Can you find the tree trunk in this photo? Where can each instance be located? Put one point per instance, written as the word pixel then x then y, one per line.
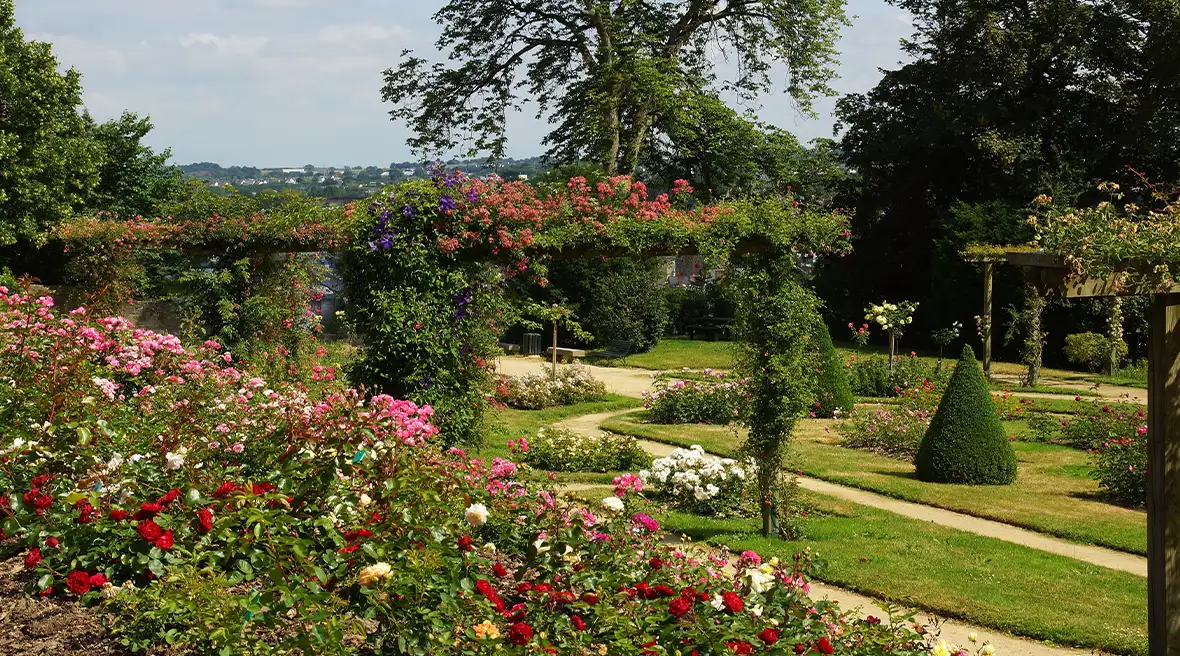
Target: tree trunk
pixel 555 349
pixel 892 347
pixel 640 128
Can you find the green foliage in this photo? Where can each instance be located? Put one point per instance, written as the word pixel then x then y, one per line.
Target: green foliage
pixel 893 430
pixel 716 400
pixel 570 386
pixel 557 449
pixel 611 75
pixel 133 180
pixel 619 298
pixel 1093 350
pixel 50 164
pixel 965 442
pixel 871 375
pixel 699 296
pixel 834 390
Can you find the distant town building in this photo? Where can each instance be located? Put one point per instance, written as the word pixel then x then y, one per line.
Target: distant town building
pixel 523 177
pixel 409 173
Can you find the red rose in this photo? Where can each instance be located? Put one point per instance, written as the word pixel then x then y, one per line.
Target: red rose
pixel 523 587
pixel 97 580
pixel 824 646
pixel 31 496
pixel 168 498
pixel 740 647
pixel 164 541
pixel 465 543
pixel 40 480
pixel 732 602
pixel 224 489
pixel 149 530
pixel 679 606
pixel 78 582
pixel 52 542
pixel 151 509
pixel 800 648
pixel 118 515
pixel 768 635
pixel 43 502
pixel 499 570
pixel 47 591
pixel 590 598
pixel 578 623
pixel 261 488
pixel 542 588
pixel 204 520
pixel 33 558
pixel 520 633
pixel 664 591
pixel 655 563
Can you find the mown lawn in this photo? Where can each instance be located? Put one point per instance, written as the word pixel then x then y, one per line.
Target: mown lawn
pixel 677 353
pixel 1054 493
pixel 977 579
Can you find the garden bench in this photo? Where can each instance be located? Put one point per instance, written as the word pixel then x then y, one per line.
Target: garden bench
pixel 617 350
pixel 565 354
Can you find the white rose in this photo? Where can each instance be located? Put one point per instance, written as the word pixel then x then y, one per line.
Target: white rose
pixel 476 514
pixel 364 500
pixel 374 573
pixel 174 460
pixel 717 602
pixel 613 504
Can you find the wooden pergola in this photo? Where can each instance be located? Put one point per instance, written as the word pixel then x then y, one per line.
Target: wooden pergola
pixel 1050 275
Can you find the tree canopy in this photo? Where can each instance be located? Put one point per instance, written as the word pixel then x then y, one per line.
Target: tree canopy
pixel 605 73
pixel 133 179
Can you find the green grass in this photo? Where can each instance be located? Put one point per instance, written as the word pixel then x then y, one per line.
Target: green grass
pixel 1049 495
pixel 1002 386
pixel 677 353
pixel 980 580
pixel 504 424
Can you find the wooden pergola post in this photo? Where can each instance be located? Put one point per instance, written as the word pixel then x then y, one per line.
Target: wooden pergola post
pixel 1163 486
pixel 986 324
pixel 1163 432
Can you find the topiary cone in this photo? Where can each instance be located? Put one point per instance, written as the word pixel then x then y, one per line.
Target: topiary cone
pixel 834 390
pixel 965 442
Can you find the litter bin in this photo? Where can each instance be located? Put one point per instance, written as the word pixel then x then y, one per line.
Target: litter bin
pixel 531 344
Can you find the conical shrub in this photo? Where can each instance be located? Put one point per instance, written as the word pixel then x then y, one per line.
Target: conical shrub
pixel 834 392
pixel 965 442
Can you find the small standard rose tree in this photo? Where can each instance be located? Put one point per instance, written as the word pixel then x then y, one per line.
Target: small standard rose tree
pixel 892 318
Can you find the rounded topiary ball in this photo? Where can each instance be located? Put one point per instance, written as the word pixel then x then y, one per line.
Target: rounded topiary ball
pixel 965 442
pixel 834 391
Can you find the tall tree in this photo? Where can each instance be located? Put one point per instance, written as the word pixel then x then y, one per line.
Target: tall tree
pixel 133 179
pixel 48 163
pixel 604 72
pixel 1004 100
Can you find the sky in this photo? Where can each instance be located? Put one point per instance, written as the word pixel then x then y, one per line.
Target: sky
pixel 294 82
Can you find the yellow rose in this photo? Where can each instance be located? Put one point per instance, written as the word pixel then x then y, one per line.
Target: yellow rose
pixel 485 630
pixel 374 573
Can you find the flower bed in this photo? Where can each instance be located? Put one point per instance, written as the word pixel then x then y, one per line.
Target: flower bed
pixel 700 483
pixel 570 385
pixel 871 376
pixel 1115 434
pixel 215 512
pixel 718 400
pixel 556 449
pixel 894 430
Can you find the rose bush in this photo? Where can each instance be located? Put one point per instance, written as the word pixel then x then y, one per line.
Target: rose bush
pixel 700 483
pixel 719 399
pixel 894 430
pixel 557 449
pixel 570 385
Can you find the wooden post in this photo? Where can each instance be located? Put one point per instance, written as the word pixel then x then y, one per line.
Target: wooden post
pixel 555 348
pixel 987 320
pixel 892 347
pixel 1163 470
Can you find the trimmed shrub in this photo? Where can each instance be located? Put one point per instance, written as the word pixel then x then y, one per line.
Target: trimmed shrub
pixel 965 442
pixel 835 392
pixel 719 401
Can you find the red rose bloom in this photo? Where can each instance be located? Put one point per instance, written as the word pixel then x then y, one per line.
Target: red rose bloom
pixel 78 582
pixel 740 647
pixel 149 530
pixel 679 606
pixel 499 570
pixel 465 543
pixel 800 648
pixel 168 498
pixel 261 488
pixel 768 635
pixel 43 502
pixel 224 489
pixel 523 587
pixel 118 515
pixel 578 623
pixel 824 646
pixel 590 598
pixel 52 542
pixel 204 520
pixel 98 580
pixel 664 591
pixel 47 591
pixel 542 588
pixel 732 602
pixel 40 480
pixel 33 558
pixel 520 633
pixel 31 496
pixel 164 541
pixel 656 563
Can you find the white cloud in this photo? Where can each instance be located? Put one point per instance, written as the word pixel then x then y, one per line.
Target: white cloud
pixel 336 34
pixel 82 54
pixel 233 45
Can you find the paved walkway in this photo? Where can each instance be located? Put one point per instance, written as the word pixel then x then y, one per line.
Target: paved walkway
pixel 1104 391
pixel 618 380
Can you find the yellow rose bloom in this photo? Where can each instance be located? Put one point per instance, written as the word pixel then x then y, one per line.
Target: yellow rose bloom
pixel 485 630
pixel 374 573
